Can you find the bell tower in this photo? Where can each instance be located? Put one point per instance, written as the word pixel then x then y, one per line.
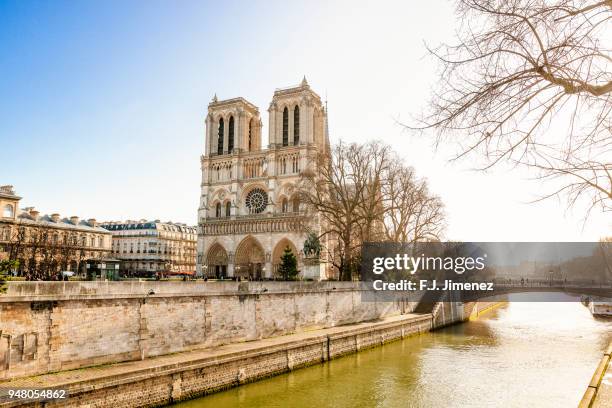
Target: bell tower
pixel 232 126
pixel 297 117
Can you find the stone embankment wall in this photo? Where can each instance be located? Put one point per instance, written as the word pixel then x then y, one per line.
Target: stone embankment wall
pixel 599 391
pixel 55 326
pixel 162 384
pixel 448 313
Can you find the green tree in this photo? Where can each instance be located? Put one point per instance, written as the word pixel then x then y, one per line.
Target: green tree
pixel 5 269
pixel 288 267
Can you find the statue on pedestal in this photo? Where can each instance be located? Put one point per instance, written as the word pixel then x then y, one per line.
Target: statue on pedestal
pixel 312 246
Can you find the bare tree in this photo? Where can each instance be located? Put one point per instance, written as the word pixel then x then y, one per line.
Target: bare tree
pixel 412 214
pixel 336 190
pixel 605 248
pixel 372 205
pixel 17 242
pixel 358 190
pixel 530 82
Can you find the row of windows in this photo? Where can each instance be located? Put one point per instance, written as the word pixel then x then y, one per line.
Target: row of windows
pixel 225 210
pixel 152 247
pixel 289 165
pixel 231 126
pixel 254 168
pixel 151 251
pixel 230 135
pixel 218 210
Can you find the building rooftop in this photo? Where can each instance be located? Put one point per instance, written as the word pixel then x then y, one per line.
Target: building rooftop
pixel 240 100
pixel 30 216
pixel 7 191
pixel 144 224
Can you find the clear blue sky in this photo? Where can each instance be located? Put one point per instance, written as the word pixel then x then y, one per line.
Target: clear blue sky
pixel 102 102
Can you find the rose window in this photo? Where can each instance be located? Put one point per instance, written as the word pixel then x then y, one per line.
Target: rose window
pixel 256 200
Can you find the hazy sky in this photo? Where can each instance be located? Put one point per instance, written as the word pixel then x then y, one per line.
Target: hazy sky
pixel 102 103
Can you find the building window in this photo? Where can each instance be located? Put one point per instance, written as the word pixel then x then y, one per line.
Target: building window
pixel 228 209
pixel 256 201
pixel 6 234
pixel 295 164
pixel 218 210
pixel 284 205
pixel 296 125
pixel 230 138
pixel 296 204
pixel 250 134
pixel 8 211
pixel 220 137
pixel 285 127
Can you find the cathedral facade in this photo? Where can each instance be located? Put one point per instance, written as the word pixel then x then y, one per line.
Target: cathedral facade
pixel 249 210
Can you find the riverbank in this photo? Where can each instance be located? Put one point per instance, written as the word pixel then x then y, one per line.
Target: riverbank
pixel 162 380
pixel 599 391
pixel 519 355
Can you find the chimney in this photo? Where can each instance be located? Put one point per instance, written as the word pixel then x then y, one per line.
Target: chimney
pixel 33 213
pixel 74 220
pixel 92 222
pixel 55 217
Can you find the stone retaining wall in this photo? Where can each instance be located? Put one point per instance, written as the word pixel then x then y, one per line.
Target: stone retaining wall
pixel 590 398
pixel 55 326
pixel 163 385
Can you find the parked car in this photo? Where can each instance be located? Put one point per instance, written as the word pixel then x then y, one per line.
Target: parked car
pixel 67 273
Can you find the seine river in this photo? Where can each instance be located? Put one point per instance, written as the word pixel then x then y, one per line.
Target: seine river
pixel 519 355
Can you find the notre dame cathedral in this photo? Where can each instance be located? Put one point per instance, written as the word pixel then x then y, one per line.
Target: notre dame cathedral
pixel 249 211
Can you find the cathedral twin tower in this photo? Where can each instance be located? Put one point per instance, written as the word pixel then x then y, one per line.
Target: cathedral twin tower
pixel 249 211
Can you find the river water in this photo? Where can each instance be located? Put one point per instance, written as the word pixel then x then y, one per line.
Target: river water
pixel 519 355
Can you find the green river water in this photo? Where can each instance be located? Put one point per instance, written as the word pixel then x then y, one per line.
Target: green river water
pixel 519 355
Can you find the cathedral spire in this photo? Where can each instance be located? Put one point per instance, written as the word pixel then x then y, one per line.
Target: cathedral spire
pixel 304 82
pixel 215 98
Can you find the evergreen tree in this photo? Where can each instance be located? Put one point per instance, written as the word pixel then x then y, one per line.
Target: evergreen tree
pixel 288 267
pixel 5 269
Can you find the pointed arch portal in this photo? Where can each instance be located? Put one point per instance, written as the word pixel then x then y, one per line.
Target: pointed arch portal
pixel 216 262
pixel 279 249
pixel 250 259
